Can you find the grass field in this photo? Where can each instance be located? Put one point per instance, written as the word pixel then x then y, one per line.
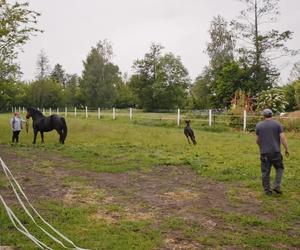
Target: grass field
pixel 139 185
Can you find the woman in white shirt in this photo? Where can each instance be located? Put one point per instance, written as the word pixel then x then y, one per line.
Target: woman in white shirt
pixel 16 126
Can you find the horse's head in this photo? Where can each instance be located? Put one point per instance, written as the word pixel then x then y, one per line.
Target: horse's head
pixel 187 122
pixel 34 113
pixel 28 113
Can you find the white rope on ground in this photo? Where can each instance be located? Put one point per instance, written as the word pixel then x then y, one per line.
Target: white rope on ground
pixel 12 216
pixel 28 213
pixel 23 230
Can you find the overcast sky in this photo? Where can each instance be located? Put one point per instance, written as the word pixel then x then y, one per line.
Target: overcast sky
pixel 72 27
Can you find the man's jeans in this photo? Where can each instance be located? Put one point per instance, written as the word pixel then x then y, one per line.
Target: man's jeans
pixel 267 160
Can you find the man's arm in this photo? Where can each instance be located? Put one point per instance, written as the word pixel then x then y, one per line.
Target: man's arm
pixel 257 140
pixel 284 143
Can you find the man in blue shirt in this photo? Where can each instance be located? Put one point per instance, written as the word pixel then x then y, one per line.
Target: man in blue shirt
pixel 269 136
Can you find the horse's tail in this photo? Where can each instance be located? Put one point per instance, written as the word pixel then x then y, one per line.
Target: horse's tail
pixel 64 129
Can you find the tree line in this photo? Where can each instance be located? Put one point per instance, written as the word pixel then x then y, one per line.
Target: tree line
pixel 241 69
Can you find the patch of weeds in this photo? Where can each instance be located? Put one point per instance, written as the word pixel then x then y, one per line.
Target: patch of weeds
pixel 114 208
pixel 173 223
pixel 79 179
pixel 188 229
pixel 228 171
pixel 245 220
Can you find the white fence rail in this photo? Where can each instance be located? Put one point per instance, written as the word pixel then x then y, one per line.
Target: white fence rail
pixel 209 117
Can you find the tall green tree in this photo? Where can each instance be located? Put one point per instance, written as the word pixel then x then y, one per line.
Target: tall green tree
pixel 44 93
pixel 160 81
pixel 260 44
pixel 12 94
pixel 220 50
pixel 72 93
pixel 228 80
pixel 58 75
pixel 142 82
pixel 221 46
pixel 295 72
pixel 99 77
pixel 290 96
pixel 201 93
pixel 124 96
pixel 17 25
pixel 297 92
pixel 42 66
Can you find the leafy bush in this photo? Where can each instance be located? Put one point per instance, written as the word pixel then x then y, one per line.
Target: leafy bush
pixel 273 99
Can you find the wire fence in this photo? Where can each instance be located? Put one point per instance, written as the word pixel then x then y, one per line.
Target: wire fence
pixel 243 121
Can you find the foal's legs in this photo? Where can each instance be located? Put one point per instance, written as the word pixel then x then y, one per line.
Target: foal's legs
pixel 188 140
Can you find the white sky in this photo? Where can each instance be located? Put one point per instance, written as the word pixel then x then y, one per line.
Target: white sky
pixel 72 27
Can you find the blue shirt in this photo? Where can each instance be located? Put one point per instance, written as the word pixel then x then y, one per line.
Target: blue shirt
pixel 268 132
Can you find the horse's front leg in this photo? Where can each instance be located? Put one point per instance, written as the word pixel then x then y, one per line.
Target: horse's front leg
pixel 42 136
pixel 34 135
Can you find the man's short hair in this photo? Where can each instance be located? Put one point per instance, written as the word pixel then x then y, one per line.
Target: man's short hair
pixel 267 113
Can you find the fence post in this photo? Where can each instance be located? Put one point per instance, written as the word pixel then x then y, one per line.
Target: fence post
pixel 19 110
pixel 66 111
pixel 99 113
pixel 86 112
pixel 178 117
pixel 15 109
pixel 43 110
pixel 209 117
pixel 75 112
pixel 114 114
pixel 23 110
pixel 50 111
pixel 245 120
pixel 57 111
pixel 130 113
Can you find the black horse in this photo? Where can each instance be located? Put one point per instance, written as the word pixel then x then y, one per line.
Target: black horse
pixel 188 132
pixel 43 124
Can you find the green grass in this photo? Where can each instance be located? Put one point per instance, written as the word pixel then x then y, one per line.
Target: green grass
pixel 95 235
pixel 121 146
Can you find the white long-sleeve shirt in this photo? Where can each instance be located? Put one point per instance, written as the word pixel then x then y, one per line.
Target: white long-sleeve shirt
pixel 16 123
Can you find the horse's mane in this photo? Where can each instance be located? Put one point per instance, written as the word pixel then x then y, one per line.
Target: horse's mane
pixel 34 110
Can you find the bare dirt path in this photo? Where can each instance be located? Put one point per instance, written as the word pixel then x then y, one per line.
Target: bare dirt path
pixel 156 194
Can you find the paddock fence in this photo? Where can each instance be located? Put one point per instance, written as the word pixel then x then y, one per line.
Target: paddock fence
pixel 244 120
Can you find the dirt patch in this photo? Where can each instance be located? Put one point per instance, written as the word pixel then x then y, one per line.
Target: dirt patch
pixel 181 244
pixel 38 181
pixel 155 195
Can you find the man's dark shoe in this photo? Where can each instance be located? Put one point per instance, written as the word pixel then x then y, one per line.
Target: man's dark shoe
pixel 277 191
pixel 269 192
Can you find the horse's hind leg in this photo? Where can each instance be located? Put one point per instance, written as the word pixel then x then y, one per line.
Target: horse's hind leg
pixel 61 138
pixel 42 136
